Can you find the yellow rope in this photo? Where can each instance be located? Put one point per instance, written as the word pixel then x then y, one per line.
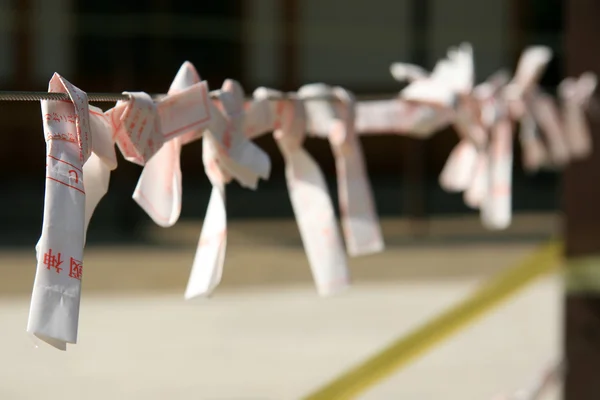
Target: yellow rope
pixel 402 351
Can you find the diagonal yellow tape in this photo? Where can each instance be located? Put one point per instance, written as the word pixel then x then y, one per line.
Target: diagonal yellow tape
pixel 401 352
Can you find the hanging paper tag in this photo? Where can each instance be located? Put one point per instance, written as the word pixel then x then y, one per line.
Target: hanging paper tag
pixel 54 311
pixel 357 205
pixel 207 268
pixel 310 200
pixel 359 218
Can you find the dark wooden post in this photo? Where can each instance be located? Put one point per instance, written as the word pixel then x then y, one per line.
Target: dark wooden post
pixel 582 222
pixel 415 152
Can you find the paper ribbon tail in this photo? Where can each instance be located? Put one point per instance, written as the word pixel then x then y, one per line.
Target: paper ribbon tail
pixel 361 227
pixel 208 262
pixel 317 224
pixel 96 179
pixel 57 344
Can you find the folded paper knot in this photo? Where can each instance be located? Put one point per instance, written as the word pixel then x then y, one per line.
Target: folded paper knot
pixel 142 126
pixel 72 127
pixel 227 153
pixel 262 114
pixel 137 127
pixel 239 157
pixel 287 118
pixel 279 109
pixel 184 114
pixel 290 125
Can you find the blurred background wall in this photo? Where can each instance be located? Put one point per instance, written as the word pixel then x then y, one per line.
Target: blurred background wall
pixel 117 45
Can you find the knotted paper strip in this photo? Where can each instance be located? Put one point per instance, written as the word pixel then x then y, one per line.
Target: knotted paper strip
pixel 575 95
pixel 239 157
pixel 159 190
pixel 135 123
pixel 518 95
pixel 142 126
pixel 227 153
pixel 310 198
pixel 136 127
pixel 54 312
pixel 207 268
pixel 357 207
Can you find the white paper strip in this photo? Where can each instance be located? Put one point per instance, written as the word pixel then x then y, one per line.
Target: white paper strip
pixel 54 312
pixel 360 223
pixel 575 94
pixel 227 154
pixel 207 268
pixel 399 116
pixel 497 207
pixel 310 199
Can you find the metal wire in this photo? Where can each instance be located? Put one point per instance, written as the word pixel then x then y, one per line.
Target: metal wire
pixel 38 96
pixel 113 97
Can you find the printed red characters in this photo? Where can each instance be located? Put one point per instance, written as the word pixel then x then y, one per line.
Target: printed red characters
pixel 53 261
pixel 75 269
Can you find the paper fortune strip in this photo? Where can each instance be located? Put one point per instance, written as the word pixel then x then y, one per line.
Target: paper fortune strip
pixel 54 312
